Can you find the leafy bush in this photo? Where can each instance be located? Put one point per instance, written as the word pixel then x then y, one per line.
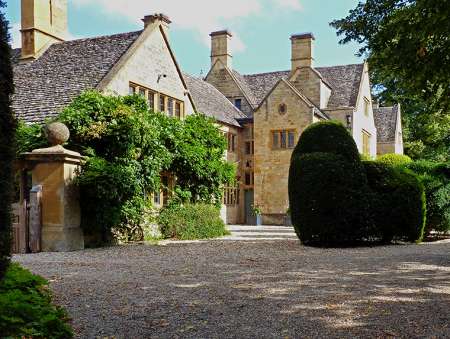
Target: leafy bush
pixel 398 203
pixel 328 137
pixel 128 147
pixel 191 221
pixel 436 180
pixel 26 310
pixel 7 143
pixel 29 138
pixel 329 199
pixel 394 159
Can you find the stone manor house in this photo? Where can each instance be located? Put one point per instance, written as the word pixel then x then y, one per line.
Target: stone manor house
pixel 261 115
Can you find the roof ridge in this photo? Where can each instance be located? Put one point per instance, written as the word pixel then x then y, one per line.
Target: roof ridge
pixel 99 37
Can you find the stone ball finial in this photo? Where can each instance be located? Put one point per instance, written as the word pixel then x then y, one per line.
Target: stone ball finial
pixel 57 133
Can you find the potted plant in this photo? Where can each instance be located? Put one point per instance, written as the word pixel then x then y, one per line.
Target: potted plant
pixel 287 218
pixel 257 213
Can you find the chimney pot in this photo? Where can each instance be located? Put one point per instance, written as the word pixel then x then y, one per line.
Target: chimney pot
pixel 149 19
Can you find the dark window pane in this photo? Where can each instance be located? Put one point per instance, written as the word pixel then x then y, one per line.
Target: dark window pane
pixel 247 179
pixel 291 140
pixel 142 92
pixel 238 103
pixel 132 90
pixel 162 103
pixel 248 147
pixel 276 141
pixel 283 139
pixel 170 104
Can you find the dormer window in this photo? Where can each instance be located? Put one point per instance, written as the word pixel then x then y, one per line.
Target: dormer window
pixel 238 103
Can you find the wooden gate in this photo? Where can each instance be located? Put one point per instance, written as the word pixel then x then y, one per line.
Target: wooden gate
pixel 27 221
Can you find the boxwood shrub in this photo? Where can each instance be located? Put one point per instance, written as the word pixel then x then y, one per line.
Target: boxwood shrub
pixel 436 180
pixel 26 310
pixel 329 200
pixel 394 159
pixel 398 202
pixel 191 221
pixel 328 137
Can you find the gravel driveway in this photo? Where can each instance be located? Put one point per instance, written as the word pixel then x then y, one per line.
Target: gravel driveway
pixel 277 289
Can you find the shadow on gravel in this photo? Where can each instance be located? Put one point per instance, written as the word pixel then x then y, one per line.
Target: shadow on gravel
pixel 260 290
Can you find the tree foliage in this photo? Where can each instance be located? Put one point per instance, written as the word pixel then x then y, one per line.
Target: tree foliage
pixel 407 45
pixel 127 148
pixel 7 137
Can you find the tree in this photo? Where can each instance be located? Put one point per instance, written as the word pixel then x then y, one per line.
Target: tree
pixel 7 136
pixel 408 49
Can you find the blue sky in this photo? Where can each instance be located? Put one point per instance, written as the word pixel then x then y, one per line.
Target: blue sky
pixel 261 28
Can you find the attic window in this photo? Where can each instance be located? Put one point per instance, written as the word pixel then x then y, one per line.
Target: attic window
pixel 238 103
pixel 282 109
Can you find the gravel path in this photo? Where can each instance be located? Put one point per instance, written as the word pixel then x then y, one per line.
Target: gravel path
pixel 252 290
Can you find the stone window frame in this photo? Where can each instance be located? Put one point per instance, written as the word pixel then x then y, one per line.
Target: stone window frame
pixel 277 139
pixel 178 110
pixel 231 142
pixel 231 196
pixel 161 197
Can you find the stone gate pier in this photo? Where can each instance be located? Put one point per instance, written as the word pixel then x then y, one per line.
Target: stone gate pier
pixel 53 169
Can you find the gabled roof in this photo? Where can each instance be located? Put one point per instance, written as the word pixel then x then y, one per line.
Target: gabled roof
pixel 45 86
pixel 316 110
pixel 211 102
pixel 343 80
pixel 386 122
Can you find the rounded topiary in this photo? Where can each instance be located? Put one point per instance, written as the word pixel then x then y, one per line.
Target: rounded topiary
pixel 394 159
pixel 399 205
pixel 329 200
pixel 328 137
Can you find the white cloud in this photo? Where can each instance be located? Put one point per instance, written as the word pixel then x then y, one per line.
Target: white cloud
pixel 201 16
pixel 16 37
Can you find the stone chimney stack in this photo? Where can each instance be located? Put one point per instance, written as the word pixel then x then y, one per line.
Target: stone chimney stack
pixel 163 20
pixel 302 50
pixel 43 23
pixel 220 48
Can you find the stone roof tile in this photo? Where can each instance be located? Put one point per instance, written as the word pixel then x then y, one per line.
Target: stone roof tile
pixel 45 86
pixel 344 82
pixel 386 122
pixel 209 101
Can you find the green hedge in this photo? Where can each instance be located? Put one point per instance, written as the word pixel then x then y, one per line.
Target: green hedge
pixel 329 200
pixel 7 143
pixel 436 180
pixel 398 202
pixel 328 137
pixel 394 159
pixel 191 221
pixel 26 309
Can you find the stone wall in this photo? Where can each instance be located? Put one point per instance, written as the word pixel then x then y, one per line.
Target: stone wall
pixel 220 78
pixel 272 165
pixel 150 59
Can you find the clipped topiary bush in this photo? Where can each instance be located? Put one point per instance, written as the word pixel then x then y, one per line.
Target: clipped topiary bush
pixel 398 203
pixel 394 159
pixel 26 310
pixel 327 137
pixel 436 180
pixel 329 200
pixel 191 221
